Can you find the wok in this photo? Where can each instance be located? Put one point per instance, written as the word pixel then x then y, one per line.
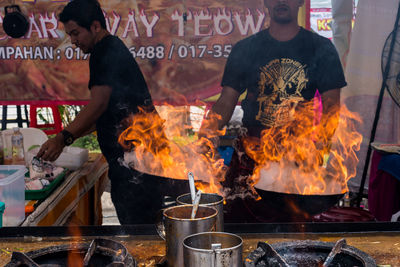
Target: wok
pixel 296 205
pixel 169 186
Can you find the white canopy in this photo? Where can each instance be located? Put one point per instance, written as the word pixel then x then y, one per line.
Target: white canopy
pixel 374 22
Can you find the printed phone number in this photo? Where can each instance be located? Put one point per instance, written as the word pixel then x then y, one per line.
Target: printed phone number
pixel 181 51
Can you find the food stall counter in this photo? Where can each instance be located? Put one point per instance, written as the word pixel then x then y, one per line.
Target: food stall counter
pixel 76 200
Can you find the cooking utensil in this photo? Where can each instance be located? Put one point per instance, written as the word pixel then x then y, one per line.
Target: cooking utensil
pixel 196 204
pixel 295 204
pixel 177 224
pixel 192 186
pixel 209 200
pixel 214 249
pixel 170 186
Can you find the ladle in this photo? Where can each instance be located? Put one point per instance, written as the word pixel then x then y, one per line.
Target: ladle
pixel 196 204
pixel 191 185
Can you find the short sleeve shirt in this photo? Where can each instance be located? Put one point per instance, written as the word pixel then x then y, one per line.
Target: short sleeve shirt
pixel 113 65
pixel 279 75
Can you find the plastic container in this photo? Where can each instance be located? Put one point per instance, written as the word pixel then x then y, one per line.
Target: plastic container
pixel 43 193
pixel 17 142
pixel 72 158
pixel 12 193
pixel 2 206
pixel 1 149
pixel 6 135
pixel 226 152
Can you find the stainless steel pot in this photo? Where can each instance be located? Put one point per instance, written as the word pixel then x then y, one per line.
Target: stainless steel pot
pixel 207 200
pixel 177 224
pixel 214 249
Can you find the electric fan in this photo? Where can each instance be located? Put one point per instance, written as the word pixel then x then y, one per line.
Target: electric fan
pixel 393 77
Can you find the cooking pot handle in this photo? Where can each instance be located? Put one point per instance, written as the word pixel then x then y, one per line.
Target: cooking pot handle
pixel 160 227
pixel 216 251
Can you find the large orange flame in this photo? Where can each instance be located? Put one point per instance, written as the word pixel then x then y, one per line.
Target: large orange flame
pixel 164 148
pixel 305 157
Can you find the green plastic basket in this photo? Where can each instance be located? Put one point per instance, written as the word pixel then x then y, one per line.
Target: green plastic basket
pixel 43 193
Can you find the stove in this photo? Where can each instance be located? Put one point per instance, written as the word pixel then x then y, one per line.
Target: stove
pixel 99 252
pixel 308 253
pixel 139 245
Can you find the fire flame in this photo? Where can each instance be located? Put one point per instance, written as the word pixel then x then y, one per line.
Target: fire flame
pixel 75 258
pixel 305 157
pixel 164 148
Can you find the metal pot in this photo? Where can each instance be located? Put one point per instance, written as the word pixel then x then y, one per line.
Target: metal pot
pixel 212 249
pixel 208 200
pixel 177 224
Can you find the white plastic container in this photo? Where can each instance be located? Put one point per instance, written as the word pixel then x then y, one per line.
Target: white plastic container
pixel 12 193
pixel 72 158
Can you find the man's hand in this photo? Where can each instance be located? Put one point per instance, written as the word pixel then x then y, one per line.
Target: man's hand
pixel 322 150
pixel 52 148
pixel 207 146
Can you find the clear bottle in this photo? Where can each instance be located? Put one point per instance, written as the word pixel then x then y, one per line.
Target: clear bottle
pixel 17 143
pixel 1 149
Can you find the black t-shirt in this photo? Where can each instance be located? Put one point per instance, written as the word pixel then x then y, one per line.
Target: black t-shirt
pixel 280 75
pixel 112 64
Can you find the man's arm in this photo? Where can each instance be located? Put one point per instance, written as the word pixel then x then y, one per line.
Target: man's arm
pixel 330 100
pixel 330 103
pixel 83 123
pixel 99 98
pixel 223 108
pixel 330 115
pixel 91 129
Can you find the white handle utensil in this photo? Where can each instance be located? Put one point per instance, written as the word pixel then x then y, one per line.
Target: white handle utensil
pixel 191 185
pixel 196 204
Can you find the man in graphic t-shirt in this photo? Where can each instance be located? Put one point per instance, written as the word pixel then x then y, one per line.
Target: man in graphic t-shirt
pixel 281 68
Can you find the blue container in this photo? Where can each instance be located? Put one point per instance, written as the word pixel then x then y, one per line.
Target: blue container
pixel 12 193
pixel 2 207
pixel 226 153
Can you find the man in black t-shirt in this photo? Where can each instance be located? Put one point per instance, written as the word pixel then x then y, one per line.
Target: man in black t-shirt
pixel 117 88
pixel 281 68
pixel 278 75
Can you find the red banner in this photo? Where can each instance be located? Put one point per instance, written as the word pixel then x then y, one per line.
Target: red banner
pixel 181 47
